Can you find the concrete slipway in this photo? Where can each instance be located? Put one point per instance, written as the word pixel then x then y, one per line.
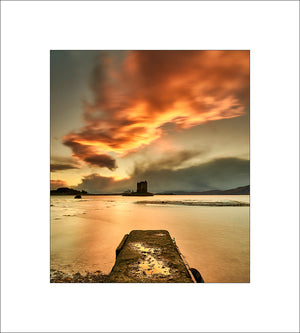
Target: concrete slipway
pixel 151 256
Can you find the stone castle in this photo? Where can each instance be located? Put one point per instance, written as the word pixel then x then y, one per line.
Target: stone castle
pixel 142 187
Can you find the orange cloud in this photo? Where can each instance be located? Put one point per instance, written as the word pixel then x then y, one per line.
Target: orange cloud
pixel 57 183
pixel 134 98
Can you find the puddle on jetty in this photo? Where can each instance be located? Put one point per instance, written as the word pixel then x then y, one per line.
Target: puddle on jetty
pixel 149 265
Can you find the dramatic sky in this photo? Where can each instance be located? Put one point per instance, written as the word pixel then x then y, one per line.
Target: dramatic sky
pixel 178 119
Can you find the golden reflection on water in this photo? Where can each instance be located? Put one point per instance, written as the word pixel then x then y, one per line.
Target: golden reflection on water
pixel 215 240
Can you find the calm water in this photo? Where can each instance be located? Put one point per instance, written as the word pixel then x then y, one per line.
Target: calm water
pixel 215 240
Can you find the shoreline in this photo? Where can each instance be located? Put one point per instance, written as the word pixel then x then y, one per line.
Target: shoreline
pixel 229 203
pixel 57 276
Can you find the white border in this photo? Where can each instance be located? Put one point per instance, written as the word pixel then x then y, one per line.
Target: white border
pixel 270 301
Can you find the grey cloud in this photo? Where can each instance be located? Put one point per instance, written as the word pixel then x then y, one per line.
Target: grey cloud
pixel 170 161
pixel 96 183
pixel 221 174
pixel 59 167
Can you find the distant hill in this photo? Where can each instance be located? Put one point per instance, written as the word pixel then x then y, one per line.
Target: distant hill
pixel 242 190
pixel 66 191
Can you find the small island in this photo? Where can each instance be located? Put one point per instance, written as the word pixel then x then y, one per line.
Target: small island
pixel 141 190
pixel 66 191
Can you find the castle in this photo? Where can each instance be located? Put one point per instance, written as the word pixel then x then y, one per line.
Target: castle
pixel 141 187
pixel 141 190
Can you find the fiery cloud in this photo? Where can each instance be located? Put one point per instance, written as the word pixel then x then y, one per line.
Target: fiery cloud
pixel 136 97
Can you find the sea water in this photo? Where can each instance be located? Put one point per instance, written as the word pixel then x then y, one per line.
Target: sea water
pixel 213 238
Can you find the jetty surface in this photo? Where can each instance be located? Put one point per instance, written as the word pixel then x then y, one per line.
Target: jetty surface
pixel 149 256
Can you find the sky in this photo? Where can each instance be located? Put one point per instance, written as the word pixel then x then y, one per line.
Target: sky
pixel 178 119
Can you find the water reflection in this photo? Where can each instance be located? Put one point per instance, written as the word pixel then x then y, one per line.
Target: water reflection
pixel 215 240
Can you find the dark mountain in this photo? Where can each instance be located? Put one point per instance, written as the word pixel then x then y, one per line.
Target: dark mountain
pixel 242 190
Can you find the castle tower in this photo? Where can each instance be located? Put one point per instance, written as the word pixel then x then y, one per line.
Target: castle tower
pixel 138 188
pixel 142 187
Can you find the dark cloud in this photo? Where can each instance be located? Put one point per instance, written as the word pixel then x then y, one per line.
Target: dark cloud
pixel 101 161
pixel 221 174
pixel 149 92
pixel 224 173
pixel 96 183
pixel 87 154
pixel 59 167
